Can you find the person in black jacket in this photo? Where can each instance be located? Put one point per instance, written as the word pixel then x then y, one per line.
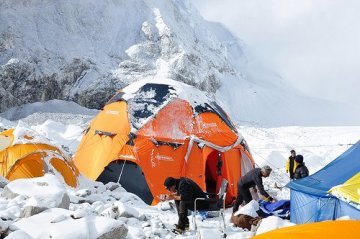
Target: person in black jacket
pixel 250 180
pixel 301 170
pixel 184 191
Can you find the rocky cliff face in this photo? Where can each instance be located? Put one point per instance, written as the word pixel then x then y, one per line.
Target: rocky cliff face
pixel 86 50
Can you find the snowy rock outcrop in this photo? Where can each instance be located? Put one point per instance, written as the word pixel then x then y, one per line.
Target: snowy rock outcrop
pixel 76 228
pixel 84 51
pixel 38 194
pixel 57 51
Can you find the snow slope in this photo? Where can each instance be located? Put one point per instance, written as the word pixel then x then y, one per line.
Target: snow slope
pixel 51 106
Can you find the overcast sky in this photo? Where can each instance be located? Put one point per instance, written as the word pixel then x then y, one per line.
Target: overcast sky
pixel 312 44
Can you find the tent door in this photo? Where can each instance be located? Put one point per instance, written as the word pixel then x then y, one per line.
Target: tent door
pixel 213 171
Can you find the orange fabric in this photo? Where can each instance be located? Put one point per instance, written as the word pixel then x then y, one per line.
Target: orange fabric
pixel 157 163
pixel 232 168
pixel 174 123
pixel 194 168
pixel 127 153
pixel 318 230
pixel 211 128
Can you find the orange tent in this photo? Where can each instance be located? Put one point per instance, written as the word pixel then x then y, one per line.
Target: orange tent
pixel 318 230
pixel 22 158
pixel 149 131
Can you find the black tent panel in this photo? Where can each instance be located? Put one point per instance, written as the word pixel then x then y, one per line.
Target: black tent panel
pixel 147 100
pixel 132 179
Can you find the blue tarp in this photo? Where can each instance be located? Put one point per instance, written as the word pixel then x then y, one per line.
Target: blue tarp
pixel 280 208
pixel 307 208
pixel 310 200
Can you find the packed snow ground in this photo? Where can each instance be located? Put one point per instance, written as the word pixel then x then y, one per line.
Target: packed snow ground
pixel 95 210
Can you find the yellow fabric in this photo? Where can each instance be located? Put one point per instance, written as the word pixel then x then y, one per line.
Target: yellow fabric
pixel 28 167
pixel 9 156
pixel 287 166
pixel 318 230
pixel 349 190
pixel 100 149
pixel 66 171
pixel 26 160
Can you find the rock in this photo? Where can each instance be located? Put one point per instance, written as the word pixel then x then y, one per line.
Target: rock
pixel 36 192
pixel 3 182
pixel 118 233
pixel 126 211
pixel 7 193
pixel 29 211
pixel 65 202
pixel 83 193
pixel 112 212
pixel 112 186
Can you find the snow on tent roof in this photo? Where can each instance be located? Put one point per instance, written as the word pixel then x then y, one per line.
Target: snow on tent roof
pixel 145 98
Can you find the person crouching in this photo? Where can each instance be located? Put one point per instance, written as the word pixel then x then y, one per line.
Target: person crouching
pixel 184 191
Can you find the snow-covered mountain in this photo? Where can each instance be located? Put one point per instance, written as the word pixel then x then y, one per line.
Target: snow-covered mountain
pixel 84 51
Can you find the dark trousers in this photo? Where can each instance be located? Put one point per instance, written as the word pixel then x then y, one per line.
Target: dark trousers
pixel 182 210
pixel 242 195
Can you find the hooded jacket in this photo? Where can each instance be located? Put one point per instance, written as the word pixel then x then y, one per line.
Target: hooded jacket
pixel 301 171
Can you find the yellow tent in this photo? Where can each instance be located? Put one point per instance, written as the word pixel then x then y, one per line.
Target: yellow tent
pixel 349 190
pixel 318 230
pixel 20 158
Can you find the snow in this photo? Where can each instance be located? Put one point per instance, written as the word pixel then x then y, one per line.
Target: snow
pixel 249 209
pixel 272 223
pixel 51 106
pixel 24 135
pixel 120 42
pixel 96 47
pixel 145 100
pixel 98 208
pixel 84 227
pixel 46 191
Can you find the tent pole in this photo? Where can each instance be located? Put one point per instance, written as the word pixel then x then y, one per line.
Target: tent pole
pixel 122 169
